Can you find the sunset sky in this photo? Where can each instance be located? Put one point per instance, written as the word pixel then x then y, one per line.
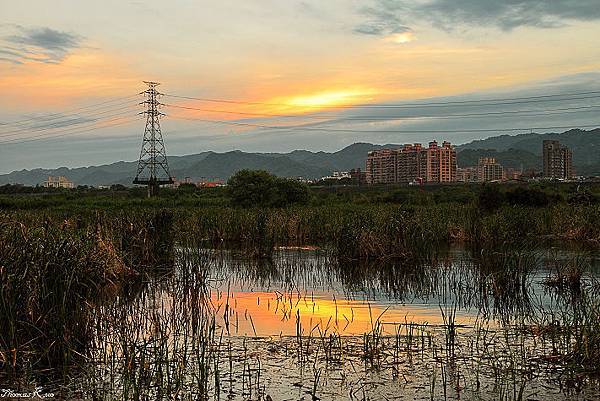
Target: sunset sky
pixel 296 60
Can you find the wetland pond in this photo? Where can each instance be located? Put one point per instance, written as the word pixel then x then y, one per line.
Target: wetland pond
pixel 302 325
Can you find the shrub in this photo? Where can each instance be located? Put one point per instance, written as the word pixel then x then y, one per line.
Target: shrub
pixel 249 188
pixel 583 198
pixel 490 198
pixel 289 192
pixel 528 197
pixel 187 187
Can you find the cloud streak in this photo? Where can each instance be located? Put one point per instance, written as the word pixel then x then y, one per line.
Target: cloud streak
pixel 386 17
pixel 382 20
pixel 43 45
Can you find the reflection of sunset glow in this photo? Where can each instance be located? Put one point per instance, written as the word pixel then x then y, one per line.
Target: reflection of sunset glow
pixel 269 314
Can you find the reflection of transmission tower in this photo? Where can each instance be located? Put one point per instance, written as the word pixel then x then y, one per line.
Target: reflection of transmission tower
pixel 153 169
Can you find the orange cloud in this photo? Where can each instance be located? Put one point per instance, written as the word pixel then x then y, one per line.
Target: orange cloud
pixel 326 99
pixel 84 74
pixel 291 104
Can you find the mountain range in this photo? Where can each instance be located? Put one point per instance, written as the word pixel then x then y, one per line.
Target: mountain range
pixel 517 151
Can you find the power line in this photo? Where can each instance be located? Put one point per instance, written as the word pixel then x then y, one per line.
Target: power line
pixel 363 118
pixel 108 116
pixel 61 124
pixel 62 134
pixel 296 128
pixel 62 114
pixel 478 102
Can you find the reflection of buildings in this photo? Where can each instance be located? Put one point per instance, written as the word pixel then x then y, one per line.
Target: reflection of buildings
pixel 558 160
pixel 412 163
pixel 58 182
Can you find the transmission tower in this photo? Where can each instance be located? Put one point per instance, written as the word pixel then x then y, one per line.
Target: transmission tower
pixel 153 169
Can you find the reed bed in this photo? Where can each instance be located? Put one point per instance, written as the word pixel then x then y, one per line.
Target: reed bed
pixel 53 275
pixel 135 306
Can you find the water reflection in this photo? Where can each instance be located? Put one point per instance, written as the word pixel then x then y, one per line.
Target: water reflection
pixel 307 290
pixel 221 323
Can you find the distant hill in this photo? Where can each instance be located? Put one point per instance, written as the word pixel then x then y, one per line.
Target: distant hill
pixel 224 165
pixel 584 144
pixel 212 165
pixel 512 151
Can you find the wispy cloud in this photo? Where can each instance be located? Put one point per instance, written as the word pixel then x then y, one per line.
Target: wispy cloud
pixel 385 17
pixel 43 45
pixel 381 20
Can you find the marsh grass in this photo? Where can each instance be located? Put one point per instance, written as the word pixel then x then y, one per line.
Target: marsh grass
pixel 53 276
pixel 128 297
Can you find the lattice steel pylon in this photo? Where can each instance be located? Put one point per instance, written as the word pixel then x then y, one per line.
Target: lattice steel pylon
pixel 153 168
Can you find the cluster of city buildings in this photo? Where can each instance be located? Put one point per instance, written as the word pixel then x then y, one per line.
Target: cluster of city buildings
pixel 412 163
pixel 58 182
pixel 487 170
pixel 416 164
pixel 202 183
pixel 355 176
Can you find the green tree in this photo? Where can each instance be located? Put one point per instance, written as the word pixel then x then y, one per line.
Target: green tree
pixel 290 192
pixel 249 188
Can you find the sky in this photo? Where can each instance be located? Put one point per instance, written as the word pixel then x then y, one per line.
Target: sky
pixel 285 75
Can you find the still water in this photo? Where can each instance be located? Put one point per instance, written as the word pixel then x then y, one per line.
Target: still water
pixel 304 325
pixel 269 298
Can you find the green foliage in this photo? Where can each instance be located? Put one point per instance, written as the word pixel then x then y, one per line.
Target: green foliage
pixel 249 188
pixel 528 197
pixel 584 197
pixel 490 198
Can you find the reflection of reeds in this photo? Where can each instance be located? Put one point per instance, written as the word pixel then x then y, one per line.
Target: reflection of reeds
pixel 167 341
pixel 568 275
pixel 373 341
pixel 504 275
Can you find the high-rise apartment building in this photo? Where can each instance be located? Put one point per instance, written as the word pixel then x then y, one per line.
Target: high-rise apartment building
pixel 441 162
pixel 412 163
pixel 489 170
pixel 558 160
pixel 381 166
